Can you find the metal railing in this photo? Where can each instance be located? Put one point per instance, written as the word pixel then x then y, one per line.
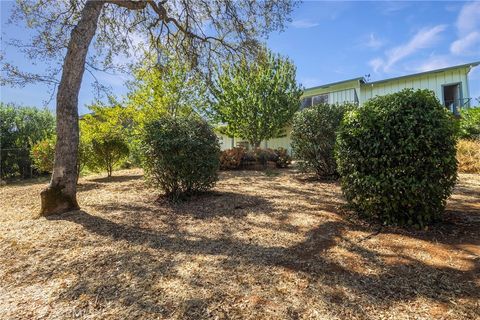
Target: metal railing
pixel 455 106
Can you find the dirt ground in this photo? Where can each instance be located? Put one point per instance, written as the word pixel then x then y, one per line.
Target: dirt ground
pixel 261 246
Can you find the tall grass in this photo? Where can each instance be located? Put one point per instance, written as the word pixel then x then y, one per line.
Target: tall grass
pixel 468 156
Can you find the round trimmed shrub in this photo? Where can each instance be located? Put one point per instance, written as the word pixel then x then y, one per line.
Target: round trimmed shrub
pixel 181 155
pixel 313 138
pixel 396 158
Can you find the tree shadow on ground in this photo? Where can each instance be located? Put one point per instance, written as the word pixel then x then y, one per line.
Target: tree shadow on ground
pixel 405 280
pixel 121 178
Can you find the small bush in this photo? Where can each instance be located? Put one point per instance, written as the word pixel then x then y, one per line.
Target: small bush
pixel 263 156
pixel 396 157
pixel 42 154
pixel 283 158
pixel 237 158
pixel 107 152
pixel 181 155
pixel 468 156
pixel 470 123
pixel 232 158
pixel 313 138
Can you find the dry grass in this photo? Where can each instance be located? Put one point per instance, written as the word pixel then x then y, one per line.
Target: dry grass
pixel 260 247
pixel 468 156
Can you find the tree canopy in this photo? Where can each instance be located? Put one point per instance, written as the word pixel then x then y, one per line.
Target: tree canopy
pixel 169 89
pixel 257 98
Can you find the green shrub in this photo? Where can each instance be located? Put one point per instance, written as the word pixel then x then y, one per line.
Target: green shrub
pixel 470 123
pixel 20 129
pixel 313 138
pixel 231 159
pixel 396 157
pixel 181 155
pixel 42 154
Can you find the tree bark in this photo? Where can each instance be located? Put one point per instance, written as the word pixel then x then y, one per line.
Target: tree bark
pixel 61 194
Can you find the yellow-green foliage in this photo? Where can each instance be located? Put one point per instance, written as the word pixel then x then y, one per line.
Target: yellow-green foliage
pixel 468 156
pixel 106 130
pixel 42 154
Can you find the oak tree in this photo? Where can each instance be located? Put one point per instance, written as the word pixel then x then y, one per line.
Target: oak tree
pixel 200 31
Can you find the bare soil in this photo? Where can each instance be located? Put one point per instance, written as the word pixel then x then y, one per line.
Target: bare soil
pixel 261 246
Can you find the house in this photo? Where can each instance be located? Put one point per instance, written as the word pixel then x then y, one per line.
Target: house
pixel 450 85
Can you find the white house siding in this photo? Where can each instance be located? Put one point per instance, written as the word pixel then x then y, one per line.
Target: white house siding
pixel 282 142
pixel 433 81
pixel 342 96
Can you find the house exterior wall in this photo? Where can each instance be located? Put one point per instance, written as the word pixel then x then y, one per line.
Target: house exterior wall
pixel 355 90
pixel 343 96
pixel 347 91
pixel 430 81
pixel 227 142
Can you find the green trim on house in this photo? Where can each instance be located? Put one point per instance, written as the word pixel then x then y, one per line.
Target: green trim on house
pixel 466 65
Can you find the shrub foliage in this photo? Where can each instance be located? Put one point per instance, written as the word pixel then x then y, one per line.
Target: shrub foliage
pixel 470 123
pixel 181 155
pixel 313 138
pixel 42 154
pixel 231 158
pixel 257 158
pixel 396 157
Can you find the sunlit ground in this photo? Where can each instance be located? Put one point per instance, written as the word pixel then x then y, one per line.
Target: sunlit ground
pixel 261 246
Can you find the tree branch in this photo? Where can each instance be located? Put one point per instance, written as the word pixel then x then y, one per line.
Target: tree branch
pixel 132 5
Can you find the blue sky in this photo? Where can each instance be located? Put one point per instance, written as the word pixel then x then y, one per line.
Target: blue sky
pixel 333 41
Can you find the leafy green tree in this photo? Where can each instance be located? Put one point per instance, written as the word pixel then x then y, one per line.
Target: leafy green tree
pixel 105 130
pixel 20 128
pixel 169 89
pixel 256 99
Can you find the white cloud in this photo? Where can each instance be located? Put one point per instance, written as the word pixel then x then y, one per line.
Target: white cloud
pixel 433 63
pixel 468 18
pixel 376 64
pixel 467 45
pixel 468 29
pixel 389 7
pixel 304 24
pixel 373 42
pixel 422 39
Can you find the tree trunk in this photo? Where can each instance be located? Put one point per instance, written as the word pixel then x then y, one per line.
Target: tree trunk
pixel 61 194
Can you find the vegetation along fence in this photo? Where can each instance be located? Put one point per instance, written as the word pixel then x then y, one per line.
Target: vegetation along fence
pixel 16 163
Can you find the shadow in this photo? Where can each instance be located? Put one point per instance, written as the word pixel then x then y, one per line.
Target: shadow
pixel 164 263
pixel 220 204
pixel 203 206
pixel 401 281
pixel 85 186
pixel 114 178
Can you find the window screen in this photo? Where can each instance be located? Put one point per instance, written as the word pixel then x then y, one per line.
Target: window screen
pixel 322 98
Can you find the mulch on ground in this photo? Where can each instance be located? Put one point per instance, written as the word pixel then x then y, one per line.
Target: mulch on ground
pixel 261 246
